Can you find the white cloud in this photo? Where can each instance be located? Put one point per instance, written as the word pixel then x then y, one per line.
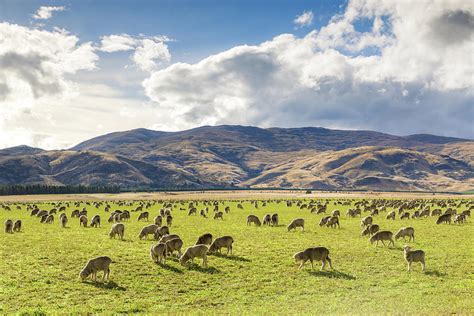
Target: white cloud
pixel 305 19
pixel 44 12
pixel 150 52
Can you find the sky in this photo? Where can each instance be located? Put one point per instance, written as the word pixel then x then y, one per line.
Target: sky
pixel 73 70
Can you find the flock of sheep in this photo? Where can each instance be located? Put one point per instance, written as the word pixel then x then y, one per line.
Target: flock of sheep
pixel 169 244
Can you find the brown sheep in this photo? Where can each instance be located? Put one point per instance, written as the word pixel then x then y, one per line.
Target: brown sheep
pixel 44 218
pixel 49 219
pixel 75 213
pixel 425 213
pixel 169 220
pixel 391 215
pixel 205 239
pixel 63 220
pixel 366 221
pixel 382 236
pixel 436 212
pixel 466 213
pixel 192 211
pixel 446 218
pixel 333 221
pixel 267 219
pixel 165 238
pixel 117 229
pixel 274 220
pixel 405 215
pixel 336 213
pixel 370 230
pixel 147 230
pixel 459 218
pixel 17 226
pixel 161 231
pixel 95 221
pixel 83 221
pixel 95 265
pixel 196 251
pixel 405 231
pixel 219 215
pixel 414 256
pixel 313 254
pixel 253 219
pixel 158 253
pixel 158 220
pixel 298 222
pixel 324 220
pixel 8 226
pixel 143 216
pixel 173 245
pixel 203 213
pixel 221 242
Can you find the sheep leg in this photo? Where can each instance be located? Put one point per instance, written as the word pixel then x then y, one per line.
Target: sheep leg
pixel 323 265
pixel 311 260
pixel 409 266
pixel 302 263
pixel 204 261
pixel 383 243
pixel 330 263
pixel 423 266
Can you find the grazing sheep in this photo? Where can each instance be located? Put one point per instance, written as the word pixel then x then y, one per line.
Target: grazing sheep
pixel 274 220
pixel 425 213
pixel 219 215
pixel 9 226
pixel 459 218
pixel 436 212
pixel 333 221
pixel 44 218
pixel 221 242
pixel 158 253
pixel 313 254
pixel 391 215
pixel 405 231
pixel 117 229
pixel 158 220
pixel 192 211
pixel 370 230
pixel 169 220
pixel 95 265
pixel 42 213
pixel 267 219
pixel 205 239
pixel 83 221
pixel 414 256
pixel 374 212
pixel 196 251
pixel 366 221
pixel 95 221
pixel 75 213
pixel 405 215
pixel 253 219
pixel 382 236
pixel 336 213
pixel 416 214
pixel 34 212
pixel 17 226
pixel 173 245
pixel 63 220
pixel 165 238
pixel 143 216
pixel 298 222
pixel 161 231
pixel 148 230
pixel 446 218
pixel 466 213
pixel 203 213
pixel 49 219
pixel 324 220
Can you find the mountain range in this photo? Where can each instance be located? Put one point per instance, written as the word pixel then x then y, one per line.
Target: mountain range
pixel 245 156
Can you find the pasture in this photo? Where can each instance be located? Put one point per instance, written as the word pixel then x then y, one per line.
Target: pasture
pixel 40 265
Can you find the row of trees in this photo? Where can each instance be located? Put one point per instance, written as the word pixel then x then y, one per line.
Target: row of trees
pixel 52 189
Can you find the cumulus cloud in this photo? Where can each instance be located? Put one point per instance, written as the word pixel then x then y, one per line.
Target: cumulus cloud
pixel 403 75
pixel 149 52
pixel 44 12
pixel 305 19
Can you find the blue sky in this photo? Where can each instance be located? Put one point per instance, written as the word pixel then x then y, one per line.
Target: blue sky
pixel 72 70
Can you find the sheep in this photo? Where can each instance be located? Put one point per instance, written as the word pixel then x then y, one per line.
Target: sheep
pixel 267 219
pixel 83 221
pixel 436 212
pixel 370 230
pixel 34 212
pixel 446 218
pixel 382 236
pixel 172 245
pixel 221 242
pixel 336 213
pixel 95 265
pixel 391 215
pixel 416 214
pixel 63 220
pixel 274 220
pixel 425 213
pixel 17 226
pixel 49 219
pixel 165 238
pixel 253 219
pixel 203 213
pixel 374 212
pixel 405 215
pixel 125 215
pixel 414 256
pixel 158 253
pixel 205 239
pixel 75 213
pixel 143 216
pixel 466 213
pixel 312 254
pixel 298 222
pixel 333 221
pixel 95 221
pixel 199 251
pixel 147 230
pixel 218 215
pixel 42 213
pixel 44 218
pixel 158 220
pixel 459 218
pixel 324 220
pixel 405 231
pixel 117 229
pixel 366 221
pixel 161 231
pixel 192 211
pixel 8 226
pixel 169 220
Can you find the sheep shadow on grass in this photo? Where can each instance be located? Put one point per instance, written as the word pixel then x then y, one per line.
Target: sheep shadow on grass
pixel 197 267
pixel 170 268
pixel 231 257
pixel 435 273
pixel 110 285
pixel 334 274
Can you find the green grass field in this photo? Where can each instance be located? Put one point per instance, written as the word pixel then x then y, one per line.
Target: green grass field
pixel 39 267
